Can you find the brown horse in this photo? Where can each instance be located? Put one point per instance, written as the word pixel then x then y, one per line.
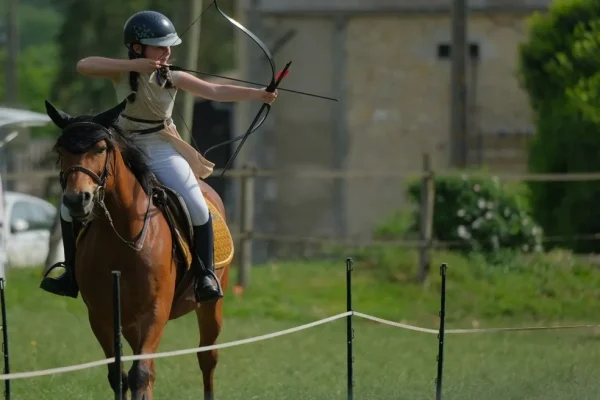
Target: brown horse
pixel 136 226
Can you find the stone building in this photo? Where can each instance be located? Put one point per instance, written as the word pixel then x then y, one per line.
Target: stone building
pixel 388 61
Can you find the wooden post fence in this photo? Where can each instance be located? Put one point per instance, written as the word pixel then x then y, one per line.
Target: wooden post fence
pixel 426 215
pixel 246 225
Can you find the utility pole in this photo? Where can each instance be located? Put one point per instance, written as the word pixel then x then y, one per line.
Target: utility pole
pixel 458 107
pixel 12 44
pixel 191 44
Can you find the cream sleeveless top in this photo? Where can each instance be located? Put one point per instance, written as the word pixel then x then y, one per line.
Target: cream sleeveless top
pixel 155 103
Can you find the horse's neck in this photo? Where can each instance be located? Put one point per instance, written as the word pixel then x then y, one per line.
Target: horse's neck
pixel 125 198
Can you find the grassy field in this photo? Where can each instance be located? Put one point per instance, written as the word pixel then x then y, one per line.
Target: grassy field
pixel 47 331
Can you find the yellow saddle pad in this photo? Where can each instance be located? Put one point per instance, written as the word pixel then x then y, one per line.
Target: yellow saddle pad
pixel 223 240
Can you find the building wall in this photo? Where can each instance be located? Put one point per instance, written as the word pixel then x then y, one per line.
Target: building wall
pixel 301 136
pixel 395 94
pixel 399 94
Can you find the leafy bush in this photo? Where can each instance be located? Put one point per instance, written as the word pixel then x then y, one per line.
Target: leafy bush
pixel 560 70
pixel 480 215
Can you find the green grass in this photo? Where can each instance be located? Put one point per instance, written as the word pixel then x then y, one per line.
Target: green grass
pixel 47 331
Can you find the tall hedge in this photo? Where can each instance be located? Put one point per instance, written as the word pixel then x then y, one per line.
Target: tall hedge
pixel 560 70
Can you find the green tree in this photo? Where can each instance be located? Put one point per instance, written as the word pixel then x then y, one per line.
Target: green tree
pixel 39 21
pixel 560 70
pixel 92 27
pixel 37 68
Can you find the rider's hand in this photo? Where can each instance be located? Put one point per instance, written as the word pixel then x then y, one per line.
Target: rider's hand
pixel 266 97
pixel 144 65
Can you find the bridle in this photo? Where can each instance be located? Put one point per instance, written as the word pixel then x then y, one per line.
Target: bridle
pixel 100 181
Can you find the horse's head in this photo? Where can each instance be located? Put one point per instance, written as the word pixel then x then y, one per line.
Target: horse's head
pixel 84 148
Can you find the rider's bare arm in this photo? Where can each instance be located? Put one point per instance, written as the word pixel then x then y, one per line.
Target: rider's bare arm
pixel 212 91
pixel 111 68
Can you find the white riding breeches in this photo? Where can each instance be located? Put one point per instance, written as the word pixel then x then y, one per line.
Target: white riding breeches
pixel 173 171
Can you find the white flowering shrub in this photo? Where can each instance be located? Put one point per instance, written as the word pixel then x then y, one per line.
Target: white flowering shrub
pixel 481 215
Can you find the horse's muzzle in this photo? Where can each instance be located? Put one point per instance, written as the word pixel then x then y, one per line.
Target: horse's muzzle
pixel 80 204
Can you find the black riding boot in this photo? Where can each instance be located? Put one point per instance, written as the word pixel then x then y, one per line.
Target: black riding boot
pixel 65 284
pixel 208 288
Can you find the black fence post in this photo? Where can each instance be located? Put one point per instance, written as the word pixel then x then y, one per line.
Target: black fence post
pixel 5 341
pixel 349 329
pixel 440 357
pixel 117 332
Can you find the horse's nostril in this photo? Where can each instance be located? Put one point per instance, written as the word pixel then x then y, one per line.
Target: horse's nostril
pixel 69 199
pixel 77 200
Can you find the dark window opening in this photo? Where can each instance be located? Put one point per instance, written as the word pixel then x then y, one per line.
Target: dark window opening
pixel 445 50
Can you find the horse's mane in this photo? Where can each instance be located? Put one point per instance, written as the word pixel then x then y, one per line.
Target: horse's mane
pixel 82 139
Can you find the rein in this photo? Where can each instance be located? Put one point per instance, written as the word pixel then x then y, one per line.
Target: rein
pixel 100 191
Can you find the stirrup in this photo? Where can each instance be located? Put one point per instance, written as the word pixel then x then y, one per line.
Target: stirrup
pixel 56 265
pixel 216 296
pixel 219 287
pixel 49 284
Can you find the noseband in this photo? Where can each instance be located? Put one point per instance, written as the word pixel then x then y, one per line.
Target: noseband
pixel 100 190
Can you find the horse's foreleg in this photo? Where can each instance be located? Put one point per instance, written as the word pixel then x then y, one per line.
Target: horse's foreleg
pixel 104 335
pixel 113 377
pixel 144 339
pixel 210 320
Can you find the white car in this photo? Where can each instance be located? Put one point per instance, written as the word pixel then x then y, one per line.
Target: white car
pixel 28 224
pixel 25 221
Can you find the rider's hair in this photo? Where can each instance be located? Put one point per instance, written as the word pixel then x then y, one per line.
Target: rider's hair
pixel 133 76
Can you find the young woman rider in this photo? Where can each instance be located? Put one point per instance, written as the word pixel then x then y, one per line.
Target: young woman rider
pixel 151 92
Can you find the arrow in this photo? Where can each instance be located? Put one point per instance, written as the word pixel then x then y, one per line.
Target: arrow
pixel 176 68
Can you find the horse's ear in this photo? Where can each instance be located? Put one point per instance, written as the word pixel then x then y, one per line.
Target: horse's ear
pixel 110 116
pixel 60 118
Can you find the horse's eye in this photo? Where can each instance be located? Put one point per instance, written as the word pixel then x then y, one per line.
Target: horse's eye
pixel 101 150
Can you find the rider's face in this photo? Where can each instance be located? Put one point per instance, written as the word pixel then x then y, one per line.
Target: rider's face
pixel 158 53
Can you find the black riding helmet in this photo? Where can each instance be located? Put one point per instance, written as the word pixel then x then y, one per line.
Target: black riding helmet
pixel 150 28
